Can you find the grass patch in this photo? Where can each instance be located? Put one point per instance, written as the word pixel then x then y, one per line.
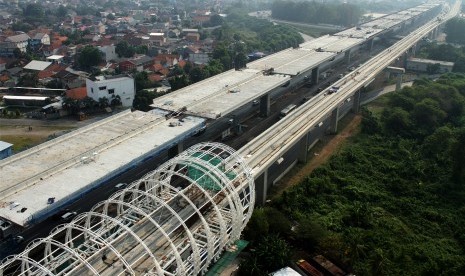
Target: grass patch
pixel 22 138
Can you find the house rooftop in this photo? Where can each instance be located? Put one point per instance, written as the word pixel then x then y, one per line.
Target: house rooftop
pixel 37 65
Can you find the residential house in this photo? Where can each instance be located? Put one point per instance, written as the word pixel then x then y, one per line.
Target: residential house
pixel 108 51
pixel 157 38
pixel 20 41
pixel 193 37
pixel 77 93
pixel 110 87
pixel 161 26
pixel 69 79
pixel 38 40
pixel 166 60
pixel 199 58
pixel 8 46
pixel 138 63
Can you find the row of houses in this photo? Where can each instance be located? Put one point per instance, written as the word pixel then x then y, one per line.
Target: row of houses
pixel 21 42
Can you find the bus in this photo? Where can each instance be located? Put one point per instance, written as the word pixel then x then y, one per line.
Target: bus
pixel 287 110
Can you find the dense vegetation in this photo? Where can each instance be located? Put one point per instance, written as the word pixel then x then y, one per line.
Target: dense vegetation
pixel 391 201
pixel 455 30
pixel 255 34
pixel 315 12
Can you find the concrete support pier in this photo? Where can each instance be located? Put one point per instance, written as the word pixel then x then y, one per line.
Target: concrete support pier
pixel 334 119
pixel 265 105
pixel 356 100
pixel 315 75
pixel 261 188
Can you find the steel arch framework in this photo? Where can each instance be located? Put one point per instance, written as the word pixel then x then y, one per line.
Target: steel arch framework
pixel 176 220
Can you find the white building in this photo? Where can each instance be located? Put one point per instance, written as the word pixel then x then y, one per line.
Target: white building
pixel 110 87
pixel 109 52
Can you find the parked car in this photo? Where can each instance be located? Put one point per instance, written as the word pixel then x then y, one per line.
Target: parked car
pixel 68 216
pixel 121 186
pixel 333 89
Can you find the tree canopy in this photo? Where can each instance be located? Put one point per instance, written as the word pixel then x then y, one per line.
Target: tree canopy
pixel 344 14
pixel 391 201
pixel 89 56
pixel 454 30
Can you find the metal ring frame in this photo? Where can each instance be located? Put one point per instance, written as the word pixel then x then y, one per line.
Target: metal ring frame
pixel 176 220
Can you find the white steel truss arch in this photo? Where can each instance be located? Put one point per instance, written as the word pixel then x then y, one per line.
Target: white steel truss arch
pixel 175 220
pixel 97 239
pixel 106 203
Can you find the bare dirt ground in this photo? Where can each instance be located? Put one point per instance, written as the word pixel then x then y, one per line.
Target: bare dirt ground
pixel 319 155
pixel 26 133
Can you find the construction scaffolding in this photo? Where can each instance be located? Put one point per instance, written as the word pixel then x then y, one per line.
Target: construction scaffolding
pixel 176 220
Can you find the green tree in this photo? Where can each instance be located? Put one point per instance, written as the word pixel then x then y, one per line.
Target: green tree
pixel 143 100
pixel 28 80
pixel 197 74
pixel 62 11
pixel 240 61
pixel 216 20
pixel 459 65
pixel 454 30
pixel 34 10
pixel 309 233
pixel 273 252
pixel 258 225
pixel 179 82
pixel 433 68
pixel 396 121
pixel 458 159
pixel 123 49
pixel 89 56
pixel 142 81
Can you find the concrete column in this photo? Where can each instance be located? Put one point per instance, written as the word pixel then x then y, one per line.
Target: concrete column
pixel 303 149
pixel 404 60
pixel 334 119
pixel 347 56
pixel 356 100
pixel 315 75
pixel 176 149
pixel 370 44
pixel 265 105
pixel 261 188
pixel 399 82
pixel 414 50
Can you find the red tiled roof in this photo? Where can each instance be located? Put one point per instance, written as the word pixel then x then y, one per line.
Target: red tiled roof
pixel 4 78
pixel 155 77
pixel 77 93
pixel 182 63
pixel 45 74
